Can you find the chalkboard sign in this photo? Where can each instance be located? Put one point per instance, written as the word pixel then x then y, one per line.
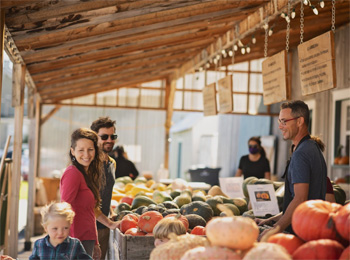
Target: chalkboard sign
pixel 225 94
pixel 275 78
pixel 209 100
pixel 317 64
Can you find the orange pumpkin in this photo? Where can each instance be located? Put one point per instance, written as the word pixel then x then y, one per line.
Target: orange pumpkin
pixel 346 254
pixel 127 223
pixel 319 249
pixel 310 220
pixel 288 241
pixel 209 252
pixel 344 160
pixel 198 230
pixel 148 220
pixel 180 217
pixel 342 221
pixel 134 232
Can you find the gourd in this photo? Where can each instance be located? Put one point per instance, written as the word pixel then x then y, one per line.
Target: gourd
pixel 127 223
pixel 232 232
pixel 342 221
pixel 134 232
pixel 213 202
pixel 198 230
pixel 213 253
pixel 346 254
pixel 319 249
pixel 269 251
pixel 249 180
pixel 310 220
pixel 216 190
pixel 195 220
pixel 288 241
pixel 180 217
pixel 177 246
pixel 148 220
pixel 141 201
pixel 198 207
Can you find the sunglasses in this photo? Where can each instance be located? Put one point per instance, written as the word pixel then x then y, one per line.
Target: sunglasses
pixel 105 137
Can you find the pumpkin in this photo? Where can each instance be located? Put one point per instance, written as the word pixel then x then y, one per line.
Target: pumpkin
pixel 269 251
pixel 198 230
pixel 345 255
pixel 288 241
pixel 210 252
pixel 134 232
pixel 216 190
pixel 249 180
pixel 127 223
pixel 177 246
pixel 148 220
pixel 232 232
pixel 344 160
pixel 342 221
pixel 133 216
pixel 310 220
pixel 127 199
pixel 213 202
pixel 319 249
pixel 180 217
pixel 198 207
pixel 195 220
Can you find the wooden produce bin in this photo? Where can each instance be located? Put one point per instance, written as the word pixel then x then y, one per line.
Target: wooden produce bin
pixel 127 247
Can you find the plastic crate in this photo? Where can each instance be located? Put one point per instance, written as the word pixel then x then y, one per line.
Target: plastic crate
pixel 207 175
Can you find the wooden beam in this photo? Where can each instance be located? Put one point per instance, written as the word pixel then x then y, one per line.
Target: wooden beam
pixel 17 101
pixel 34 155
pixel 171 86
pixel 2 35
pixel 50 114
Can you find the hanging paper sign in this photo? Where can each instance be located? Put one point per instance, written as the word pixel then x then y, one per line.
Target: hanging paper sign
pixel 317 64
pixel 263 199
pixel 275 78
pixel 232 186
pixel 225 94
pixel 209 100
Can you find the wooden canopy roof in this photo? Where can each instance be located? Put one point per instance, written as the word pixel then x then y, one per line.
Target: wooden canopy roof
pixel 73 48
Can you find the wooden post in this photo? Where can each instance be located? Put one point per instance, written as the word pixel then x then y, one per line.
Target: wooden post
pixel 170 96
pixel 18 83
pixel 2 39
pixel 34 153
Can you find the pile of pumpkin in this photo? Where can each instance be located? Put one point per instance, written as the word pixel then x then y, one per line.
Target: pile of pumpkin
pixel 322 228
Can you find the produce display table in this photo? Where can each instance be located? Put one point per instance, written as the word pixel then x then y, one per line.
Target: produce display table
pixel 126 247
pixel 193 185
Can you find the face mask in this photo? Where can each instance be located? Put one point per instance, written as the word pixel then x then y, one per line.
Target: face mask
pixel 253 149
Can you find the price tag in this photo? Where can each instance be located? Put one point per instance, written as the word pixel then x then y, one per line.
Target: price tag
pixel 232 186
pixel 263 199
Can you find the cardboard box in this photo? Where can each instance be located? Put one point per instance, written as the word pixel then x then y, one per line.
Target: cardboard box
pixel 127 247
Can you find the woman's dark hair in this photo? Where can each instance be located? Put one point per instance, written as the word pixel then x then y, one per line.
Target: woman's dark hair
pixel 120 151
pixel 258 141
pixel 94 177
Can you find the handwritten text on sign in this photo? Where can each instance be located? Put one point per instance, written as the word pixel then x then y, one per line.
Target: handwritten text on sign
pixel 209 100
pixel 317 64
pixel 225 94
pixel 275 81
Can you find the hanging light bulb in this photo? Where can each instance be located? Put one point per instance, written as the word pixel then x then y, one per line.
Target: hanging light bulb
pixel 287 19
pixel 215 61
pixel 270 31
pixel 293 13
pixel 240 44
pixel 200 69
pixel 235 47
pixel 253 39
pixel 321 3
pixel 314 9
pixel 230 53
pixel 306 2
pixel 218 56
pixel 283 15
pixel 207 65
pixel 265 26
pixel 243 50
pixel 223 52
pixel 248 49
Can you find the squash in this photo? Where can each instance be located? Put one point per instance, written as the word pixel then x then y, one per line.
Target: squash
pixel 177 246
pixel 161 196
pixel 127 199
pixel 195 220
pixel 213 202
pixel 212 253
pixel 198 230
pixel 141 201
pixel 288 241
pixel 148 220
pixel 235 211
pixel 198 207
pixel 232 232
pixel 319 249
pixel 241 204
pixel 339 194
pixel 269 251
pixel 170 205
pixel 175 193
pixel 180 217
pixel 249 180
pixel 342 221
pixel 182 200
pixel 344 160
pixel 121 214
pixel 216 190
pixel 310 220
pixel 345 255
pixel 170 211
pixel 127 223
pixel 134 232
pixel 121 207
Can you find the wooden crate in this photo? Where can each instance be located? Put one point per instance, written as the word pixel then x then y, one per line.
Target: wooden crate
pixel 127 247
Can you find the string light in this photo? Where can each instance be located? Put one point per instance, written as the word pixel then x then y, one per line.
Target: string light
pixel 253 39
pixel 321 3
pixel 270 31
pixel 283 15
pixel 235 47
pixel 243 50
pixel 314 9
pixel 293 13
pixel 306 2
pixel 218 56
pixel 230 53
pixel 200 69
pixel 240 44
pixel 207 65
pixel 248 49
pixel 215 61
pixel 265 26
pixel 287 19
pixel 223 52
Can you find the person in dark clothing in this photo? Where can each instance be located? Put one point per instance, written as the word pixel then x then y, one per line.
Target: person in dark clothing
pixel 125 167
pixel 306 170
pixel 255 163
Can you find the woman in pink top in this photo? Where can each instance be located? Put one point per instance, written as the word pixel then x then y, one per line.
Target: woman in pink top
pixel 80 184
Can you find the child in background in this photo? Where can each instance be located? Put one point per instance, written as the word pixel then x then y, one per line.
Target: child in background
pixel 166 226
pixel 56 220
